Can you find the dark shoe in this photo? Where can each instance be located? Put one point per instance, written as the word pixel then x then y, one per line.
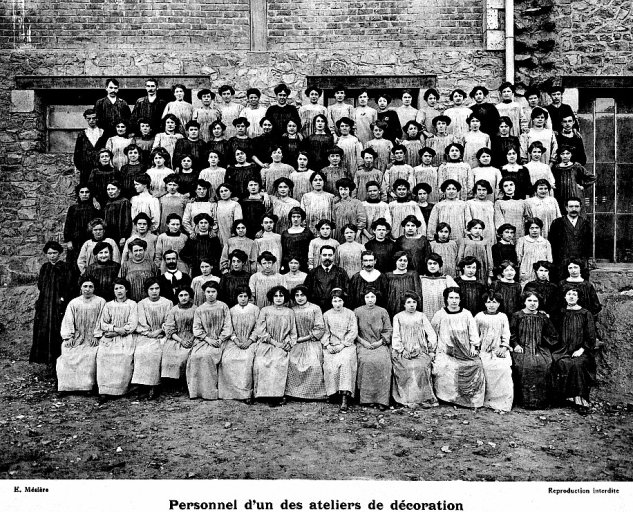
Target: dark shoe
pixel 154 393
pixel 344 403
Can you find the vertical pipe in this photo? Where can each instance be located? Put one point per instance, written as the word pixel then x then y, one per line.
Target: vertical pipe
pixel 509 22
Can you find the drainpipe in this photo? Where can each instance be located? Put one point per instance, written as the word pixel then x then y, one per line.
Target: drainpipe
pixel 509 22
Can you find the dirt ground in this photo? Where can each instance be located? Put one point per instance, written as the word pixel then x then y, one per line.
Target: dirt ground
pixel 43 436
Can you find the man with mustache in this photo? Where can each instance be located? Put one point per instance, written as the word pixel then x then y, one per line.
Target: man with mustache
pixel 324 278
pixel 368 277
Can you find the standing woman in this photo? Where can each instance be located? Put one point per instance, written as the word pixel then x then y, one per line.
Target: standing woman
pixel 295 241
pixel 115 357
pixel 150 337
pixel 532 335
pixel 339 351
pixel 532 248
pixel 574 367
pixel 317 204
pixel 305 364
pixel 235 376
pixel 277 334
pixel 319 143
pixel 75 227
pixel 178 336
pixel 179 107
pixel 77 364
pixel 283 203
pixel 413 349
pixel 399 281
pixel 374 360
pixel 56 285
pixel 458 373
pixel 434 282
pixel 211 328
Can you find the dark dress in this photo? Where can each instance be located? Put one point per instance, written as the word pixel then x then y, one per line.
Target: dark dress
pixel 279 116
pixel 556 114
pixel 127 174
pixel 472 295
pixel 221 148
pixel 103 276
pixel 489 116
pixel 196 149
pixel 263 146
pixel 417 248
pixel 502 252
pixel 573 376
pixel 188 183
pixel 499 147
pixel 575 142
pixel 549 292
pixel 383 251
pixel 252 211
pixel 426 211
pixel 239 176
pixel 522 180
pixel 76 228
pixel 246 145
pixel 567 181
pixel 511 295
pixel 229 283
pixel 397 285
pixel 531 369
pixel 587 296
pixel 394 128
pixel 201 247
pixel 291 148
pixel 117 214
pixel 56 285
pixel 358 286
pixel 295 246
pixel 86 156
pixel 98 181
pixel 317 146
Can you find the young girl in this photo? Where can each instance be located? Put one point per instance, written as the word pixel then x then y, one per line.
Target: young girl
pixel 402 207
pixel 309 111
pixel 509 210
pixel 239 174
pixel 374 361
pixel 421 195
pixel 451 210
pixel 456 169
pixel 254 111
pixel 574 366
pixel 206 114
pixel 572 178
pixel 115 357
pixel 519 173
pixel 548 291
pixel 507 287
pixel 275 170
pixel 346 210
pixel 532 336
pixel 178 336
pixel 218 143
pixel 291 142
pixel 350 145
pixel 442 138
pixel 172 202
pixel 366 173
pixel 493 328
pixel 406 112
pixel 214 174
pixel 158 172
pixel 301 177
pixel 169 135
pixel 235 375
pixel 537 169
pixel 474 141
pixel 283 202
pixel 412 142
pixel 426 172
pixel 380 145
pixel 187 177
pixel 179 107
pixel 144 141
pixel 295 241
pixel 504 249
pixel 211 329
pixel 171 240
pixel 200 204
pixel 458 114
pixel 538 133
pixel 239 241
pixel 198 282
pixel 348 254
pixel 458 374
pixel 446 248
pixel 339 109
pixel 481 207
pixel 269 240
pixel 317 204
pixel 364 116
pixel 413 345
pixel 472 289
pixel 474 244
pixel 117 145
pixel 294 277
pixel 434 282
pixel 319 143
pixel 510 108
pixel 277 334
pixel 374 209
pixel 227 211
pixel 488 173
pixel 543 205
pixel 253 207
pixel 428 113
pixel 229 109
pixel 325 228
pixel 532 248
pixel 414 243
pixel 503 141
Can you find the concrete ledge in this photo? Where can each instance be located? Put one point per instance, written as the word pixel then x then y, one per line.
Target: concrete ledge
pixel 22 101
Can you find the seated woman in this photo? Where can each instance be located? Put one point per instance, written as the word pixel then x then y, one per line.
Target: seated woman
pixel 574 366
pixel 178 337
pixel 413 348
pixel 235 377
pixel 115 357
pixel 458 373
pixel 339 350
pixel 494 332
pixel 211 328
pixel 532 335
pixel 305 365
pixel 150 337
pixel 277 334
pixel 374 361
pixel 77 364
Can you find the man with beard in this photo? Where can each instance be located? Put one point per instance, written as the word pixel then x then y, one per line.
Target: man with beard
pixel 324 278
pixel 172 279
pixel 368 277
pixel 570 236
